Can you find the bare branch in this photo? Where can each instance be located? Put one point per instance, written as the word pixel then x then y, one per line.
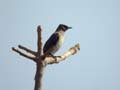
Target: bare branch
pixel 71 51
pixel 39 42
pixel 24 55
pixel 27 50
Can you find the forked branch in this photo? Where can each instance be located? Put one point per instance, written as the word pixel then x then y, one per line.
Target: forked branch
pixel 24 55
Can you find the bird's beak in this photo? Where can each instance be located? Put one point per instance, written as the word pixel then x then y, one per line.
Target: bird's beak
pixel 69 27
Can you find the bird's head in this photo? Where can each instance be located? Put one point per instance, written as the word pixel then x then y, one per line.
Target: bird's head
pixel 63 27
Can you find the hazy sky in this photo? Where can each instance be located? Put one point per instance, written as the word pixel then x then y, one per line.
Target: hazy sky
pixel 96 26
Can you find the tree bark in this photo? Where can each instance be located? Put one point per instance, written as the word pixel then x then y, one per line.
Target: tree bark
pixel 38 76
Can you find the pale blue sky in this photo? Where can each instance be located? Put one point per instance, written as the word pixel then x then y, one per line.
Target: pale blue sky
pixel 96 26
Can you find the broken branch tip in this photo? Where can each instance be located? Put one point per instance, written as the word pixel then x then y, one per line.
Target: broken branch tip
pixel 78 46
pixel 39 28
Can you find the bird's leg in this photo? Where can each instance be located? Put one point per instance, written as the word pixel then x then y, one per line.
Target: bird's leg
pixel 58 56
pixel 55 57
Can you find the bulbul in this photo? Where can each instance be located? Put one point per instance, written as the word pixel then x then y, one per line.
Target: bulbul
pixel 55 41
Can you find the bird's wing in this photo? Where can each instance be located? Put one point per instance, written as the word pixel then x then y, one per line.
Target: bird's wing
pixel 51 42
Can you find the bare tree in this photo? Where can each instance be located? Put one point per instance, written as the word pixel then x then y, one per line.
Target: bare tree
pixel 41 60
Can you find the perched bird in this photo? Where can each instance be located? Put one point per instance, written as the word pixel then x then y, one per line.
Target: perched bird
pixel 56 40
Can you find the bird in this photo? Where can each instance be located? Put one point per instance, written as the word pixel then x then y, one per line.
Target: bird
pixel 55 41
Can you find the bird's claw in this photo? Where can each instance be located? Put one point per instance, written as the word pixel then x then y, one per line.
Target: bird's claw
pixel 55 57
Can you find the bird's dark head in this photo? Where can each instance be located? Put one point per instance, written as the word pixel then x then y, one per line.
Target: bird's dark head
pixel 63 27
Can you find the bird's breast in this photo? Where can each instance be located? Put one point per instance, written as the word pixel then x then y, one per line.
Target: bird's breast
pixel 61 40
pixel 58 44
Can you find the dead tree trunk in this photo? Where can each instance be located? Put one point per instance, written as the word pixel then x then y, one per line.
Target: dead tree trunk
pixel 38 76
pixel 40 60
